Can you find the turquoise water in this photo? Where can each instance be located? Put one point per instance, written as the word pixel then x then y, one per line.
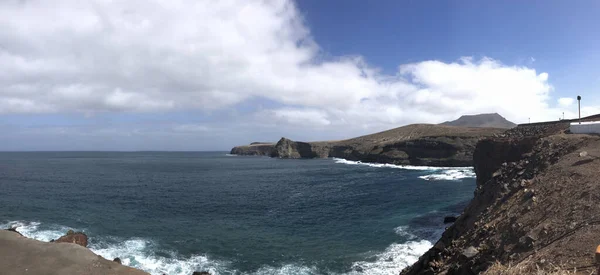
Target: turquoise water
pixel 176 212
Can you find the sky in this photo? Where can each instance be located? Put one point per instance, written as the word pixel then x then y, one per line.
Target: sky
pixel 204 75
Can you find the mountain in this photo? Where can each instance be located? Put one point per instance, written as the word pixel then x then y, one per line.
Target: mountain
pixel 482 120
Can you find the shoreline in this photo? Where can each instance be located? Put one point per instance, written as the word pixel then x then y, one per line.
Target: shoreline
pixel 21 255
pixel 532 211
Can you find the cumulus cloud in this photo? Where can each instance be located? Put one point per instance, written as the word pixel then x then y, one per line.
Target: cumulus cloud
pixel 565 101
pixel 159 56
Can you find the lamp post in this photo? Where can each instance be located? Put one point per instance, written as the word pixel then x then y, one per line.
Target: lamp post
pixel 579 107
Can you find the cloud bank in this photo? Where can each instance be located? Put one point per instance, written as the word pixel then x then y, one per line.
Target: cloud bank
pixel 91 57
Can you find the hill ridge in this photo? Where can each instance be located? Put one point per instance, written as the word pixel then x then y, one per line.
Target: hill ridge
pixel 492 120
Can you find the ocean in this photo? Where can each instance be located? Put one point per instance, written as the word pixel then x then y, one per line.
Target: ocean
pixel 179 212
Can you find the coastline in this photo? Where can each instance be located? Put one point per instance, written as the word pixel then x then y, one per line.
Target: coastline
pixel 533 211
pixel 416 144
pixel 141 252
pixel 22 255
pixel 517 173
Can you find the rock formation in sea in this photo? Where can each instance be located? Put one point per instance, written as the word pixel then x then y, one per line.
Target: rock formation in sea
pixel 535 208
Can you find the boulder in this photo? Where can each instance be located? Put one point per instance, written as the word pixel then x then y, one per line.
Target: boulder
pixel 201 273
pixel 470 252
pixel 449 219
pixel 74 237
pixel 117 260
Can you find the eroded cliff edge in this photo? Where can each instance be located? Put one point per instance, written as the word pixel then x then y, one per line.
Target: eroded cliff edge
pixel 417 144
pixel 535 208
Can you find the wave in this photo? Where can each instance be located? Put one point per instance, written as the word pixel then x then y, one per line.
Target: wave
pixel 445 173
pixel 143 254
pixel 387 165
pixel 231 155
pixel 395 258
pixel 451 174
pixel 32 230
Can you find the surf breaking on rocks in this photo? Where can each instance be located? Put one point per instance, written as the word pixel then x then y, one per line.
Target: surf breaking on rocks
pixel 441 173
pixel 146 254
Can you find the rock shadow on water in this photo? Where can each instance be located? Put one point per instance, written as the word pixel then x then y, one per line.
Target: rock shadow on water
pixel 430 226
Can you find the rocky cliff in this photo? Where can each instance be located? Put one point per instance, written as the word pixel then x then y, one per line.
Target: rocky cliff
pixel 417 144
pixel 534 210
pixel 254 149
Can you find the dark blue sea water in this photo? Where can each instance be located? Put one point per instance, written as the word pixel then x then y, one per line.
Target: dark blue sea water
pixel 176 212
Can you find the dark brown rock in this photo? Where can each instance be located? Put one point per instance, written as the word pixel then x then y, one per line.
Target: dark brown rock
pixel 117 260
pixel 449 219
pixel 74 237
pixel 470 252
pixel 201 273
pixel 538 206
pixel 254 149
pixel 14 229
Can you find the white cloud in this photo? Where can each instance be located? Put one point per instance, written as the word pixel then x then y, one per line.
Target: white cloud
pixel 308 117
pixel 149 56
pixel 191 128
pixel 565 101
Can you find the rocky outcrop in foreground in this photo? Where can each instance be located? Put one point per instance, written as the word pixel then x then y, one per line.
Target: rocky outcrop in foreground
pixel 418 144
pixel 66 255
pixel 74 237
pixel 535 208
pixel 21 255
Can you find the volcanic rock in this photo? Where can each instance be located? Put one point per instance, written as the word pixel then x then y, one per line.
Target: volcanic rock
pixel 74 237
pixel 449 219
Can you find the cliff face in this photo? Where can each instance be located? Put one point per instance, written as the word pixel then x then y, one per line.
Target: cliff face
pixel 286 148
pixel 254 149
pixel 428 151
pixel 535 207
pixel 419 144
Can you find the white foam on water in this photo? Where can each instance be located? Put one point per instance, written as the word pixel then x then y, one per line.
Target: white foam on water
pixel 391 261
pixel 451 174
pixel 387 165
pixel 289 269
pixel 140 253
pixel 403 231
pixel 231 155
pixel 442 173
pixel 32 230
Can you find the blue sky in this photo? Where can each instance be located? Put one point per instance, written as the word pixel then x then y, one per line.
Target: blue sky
pixel 559 35
pixel 208 75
